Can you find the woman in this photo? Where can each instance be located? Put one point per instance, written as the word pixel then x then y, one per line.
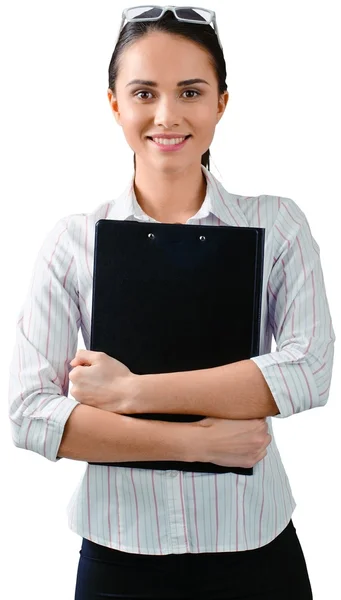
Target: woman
pixel 170 534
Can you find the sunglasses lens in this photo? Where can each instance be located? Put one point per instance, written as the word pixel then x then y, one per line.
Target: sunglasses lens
pixel 146 12
pixel 194 14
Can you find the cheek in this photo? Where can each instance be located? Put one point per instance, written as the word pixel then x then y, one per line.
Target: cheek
pixel 205 118
pixel 133 123
pixel 206 125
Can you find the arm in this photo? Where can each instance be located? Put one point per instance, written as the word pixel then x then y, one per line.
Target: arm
pixel 294 378
pixel 95 435
pixel 43 418
pixel 234 391
pixel 46 341
pixel 299 372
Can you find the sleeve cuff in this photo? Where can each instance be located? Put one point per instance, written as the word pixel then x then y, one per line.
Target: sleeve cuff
pixel 43 434
pixel 291 382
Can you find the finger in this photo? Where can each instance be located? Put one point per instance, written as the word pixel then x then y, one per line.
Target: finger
pixel 78 364
pixel 85 357
pixel 75 362
pixel 88 356
pixel 79 360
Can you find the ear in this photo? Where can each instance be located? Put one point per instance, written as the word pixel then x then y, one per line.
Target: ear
pixel 223 100
pixel 114 105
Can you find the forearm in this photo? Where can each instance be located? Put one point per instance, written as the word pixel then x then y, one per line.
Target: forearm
pixel 234 391
pixel 95 435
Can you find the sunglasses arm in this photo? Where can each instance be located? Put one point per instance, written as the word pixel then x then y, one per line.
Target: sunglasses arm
pixel 216 30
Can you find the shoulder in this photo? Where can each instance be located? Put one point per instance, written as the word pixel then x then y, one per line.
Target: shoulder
pixel 82 222
pixel 269 211
pixel 287 231
pixel 71 233
pixel 76 230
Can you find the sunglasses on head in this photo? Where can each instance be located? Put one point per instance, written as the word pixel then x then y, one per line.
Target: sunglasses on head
pixel 200 16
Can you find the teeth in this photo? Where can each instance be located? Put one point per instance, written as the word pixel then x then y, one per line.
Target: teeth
pixel 168 142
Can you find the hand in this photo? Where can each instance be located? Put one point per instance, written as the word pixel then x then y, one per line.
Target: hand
pixel 104 385
pixel 232 442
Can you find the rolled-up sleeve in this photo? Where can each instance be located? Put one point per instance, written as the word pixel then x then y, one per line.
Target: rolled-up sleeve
pixel 299 372
pixel 46 341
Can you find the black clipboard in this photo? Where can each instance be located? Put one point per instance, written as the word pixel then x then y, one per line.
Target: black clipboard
pixel 174 297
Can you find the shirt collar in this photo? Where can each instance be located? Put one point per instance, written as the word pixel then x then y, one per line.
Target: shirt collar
pixel 218 201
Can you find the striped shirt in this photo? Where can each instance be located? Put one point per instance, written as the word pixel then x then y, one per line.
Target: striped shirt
pixel 162 512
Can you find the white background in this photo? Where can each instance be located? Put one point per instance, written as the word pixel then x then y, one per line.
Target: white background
pixel 62 153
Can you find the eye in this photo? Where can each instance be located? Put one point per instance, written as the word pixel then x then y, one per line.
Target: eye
pixel 192 92
pixel 137 94
pixel 142 92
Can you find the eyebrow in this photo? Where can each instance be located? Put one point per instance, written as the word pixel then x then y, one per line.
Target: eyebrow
pixel 154 83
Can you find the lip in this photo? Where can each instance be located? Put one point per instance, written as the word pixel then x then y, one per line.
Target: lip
pixel 168 136
pixel 169 147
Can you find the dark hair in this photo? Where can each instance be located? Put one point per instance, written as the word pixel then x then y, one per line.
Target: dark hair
pixel 203 35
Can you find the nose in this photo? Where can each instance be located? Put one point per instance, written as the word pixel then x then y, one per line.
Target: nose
pixel 167 113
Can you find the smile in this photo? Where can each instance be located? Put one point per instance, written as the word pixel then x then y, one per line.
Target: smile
pixel 168 145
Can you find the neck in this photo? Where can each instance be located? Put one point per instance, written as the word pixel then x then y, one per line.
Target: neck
pixel 170 197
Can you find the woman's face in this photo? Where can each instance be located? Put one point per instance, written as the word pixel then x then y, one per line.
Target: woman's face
pixel 144 109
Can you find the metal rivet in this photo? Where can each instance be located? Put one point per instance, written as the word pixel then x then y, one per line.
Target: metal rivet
pixel 202 238
pixel 151 236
